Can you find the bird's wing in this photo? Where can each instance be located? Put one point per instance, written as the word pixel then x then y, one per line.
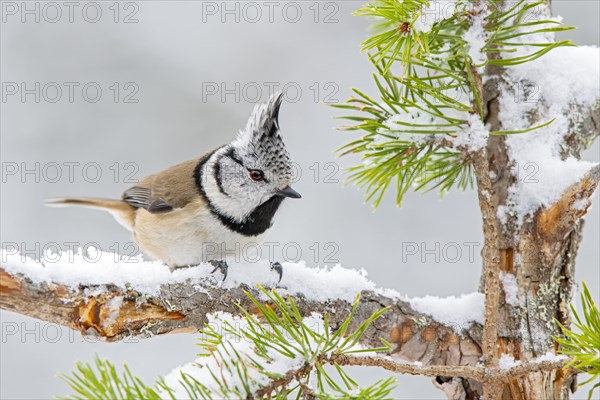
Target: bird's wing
pixel 167 190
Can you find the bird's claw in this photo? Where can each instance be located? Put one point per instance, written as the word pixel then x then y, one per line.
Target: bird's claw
pixel 221 266
pixel 276 266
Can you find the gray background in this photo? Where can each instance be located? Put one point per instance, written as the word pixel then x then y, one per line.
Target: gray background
pixel 169 53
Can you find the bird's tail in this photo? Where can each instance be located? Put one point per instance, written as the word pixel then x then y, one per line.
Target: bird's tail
pixel 121 211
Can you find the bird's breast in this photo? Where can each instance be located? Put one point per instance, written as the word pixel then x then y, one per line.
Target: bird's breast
pixel 191 235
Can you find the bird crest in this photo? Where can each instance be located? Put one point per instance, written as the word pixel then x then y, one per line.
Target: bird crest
pixel 261 141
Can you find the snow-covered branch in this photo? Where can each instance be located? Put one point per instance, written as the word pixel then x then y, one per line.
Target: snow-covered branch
pixel 117 298
pixel 431 336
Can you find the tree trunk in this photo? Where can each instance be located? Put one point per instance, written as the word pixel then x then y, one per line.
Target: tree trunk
pixel 539 256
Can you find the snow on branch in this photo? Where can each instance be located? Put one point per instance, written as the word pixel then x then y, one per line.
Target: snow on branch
pixel 563 86
pixel 116 297
pixel 277 352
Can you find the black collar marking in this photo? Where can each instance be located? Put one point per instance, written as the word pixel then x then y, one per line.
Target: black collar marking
pixel 256 223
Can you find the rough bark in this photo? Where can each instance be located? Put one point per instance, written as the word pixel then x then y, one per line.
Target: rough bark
pixel 542 263
pixel 540 254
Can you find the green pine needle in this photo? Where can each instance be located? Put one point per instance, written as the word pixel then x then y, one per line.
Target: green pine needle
pixel 279 330
pixel 431 73
pixel 584 346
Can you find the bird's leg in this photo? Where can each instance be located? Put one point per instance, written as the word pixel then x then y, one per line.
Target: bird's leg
pixel 220 265
pixel 276 266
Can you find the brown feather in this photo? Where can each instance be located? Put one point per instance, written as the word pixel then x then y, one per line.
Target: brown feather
pixel 166 190
pixel 122 211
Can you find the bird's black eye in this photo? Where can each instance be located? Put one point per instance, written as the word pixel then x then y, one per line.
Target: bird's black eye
pixel 257 175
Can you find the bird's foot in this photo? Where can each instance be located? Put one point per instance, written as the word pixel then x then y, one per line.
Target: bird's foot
pixel 276 266
pixel 221 266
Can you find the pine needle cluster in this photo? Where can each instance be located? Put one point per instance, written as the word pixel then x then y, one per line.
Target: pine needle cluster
pixel 429 64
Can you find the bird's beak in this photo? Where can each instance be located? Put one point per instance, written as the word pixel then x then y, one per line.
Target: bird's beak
pixel 288 192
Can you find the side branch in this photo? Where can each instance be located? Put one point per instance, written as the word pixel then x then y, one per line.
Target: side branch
pixel 478 373
pixel 558 220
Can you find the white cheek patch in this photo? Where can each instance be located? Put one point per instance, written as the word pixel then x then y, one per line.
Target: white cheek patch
pixel 238 207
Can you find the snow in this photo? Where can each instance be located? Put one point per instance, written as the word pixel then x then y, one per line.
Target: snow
pixel 475 136
pixel 476 37
pixel 507 361
pixel 511 289
pixel 550 357
pixel 564 77
pixel 550 86
pixel 97 267
pixel 459 312
pixel 114 305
